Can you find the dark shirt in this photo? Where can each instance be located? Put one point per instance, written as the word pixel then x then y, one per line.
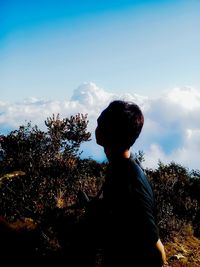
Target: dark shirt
pixel 130 227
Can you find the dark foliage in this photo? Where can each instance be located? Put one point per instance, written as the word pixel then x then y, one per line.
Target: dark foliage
pixel 177 192
pixel 41 176
pixel 38 168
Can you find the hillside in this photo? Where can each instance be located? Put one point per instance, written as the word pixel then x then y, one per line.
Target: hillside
pixel 42 213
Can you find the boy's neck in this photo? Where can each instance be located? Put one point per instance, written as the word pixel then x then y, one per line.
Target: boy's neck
pixel 113 154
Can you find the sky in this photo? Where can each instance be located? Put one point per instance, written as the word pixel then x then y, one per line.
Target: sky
pixel 76 56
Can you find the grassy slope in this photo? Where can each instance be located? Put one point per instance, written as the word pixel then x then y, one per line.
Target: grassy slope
pixel 185 247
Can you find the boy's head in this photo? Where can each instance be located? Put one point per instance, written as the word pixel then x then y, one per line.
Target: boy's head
pixel 119 125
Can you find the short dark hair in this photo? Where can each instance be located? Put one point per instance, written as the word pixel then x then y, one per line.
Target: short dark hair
pixel 121 122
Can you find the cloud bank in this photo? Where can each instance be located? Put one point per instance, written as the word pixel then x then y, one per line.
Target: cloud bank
pixel 171 131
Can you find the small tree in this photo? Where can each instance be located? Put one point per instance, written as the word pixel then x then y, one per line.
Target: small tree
pixel 31 149
pixel 48 161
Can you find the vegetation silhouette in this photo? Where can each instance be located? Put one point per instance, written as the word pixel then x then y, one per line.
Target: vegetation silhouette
pixel 44 216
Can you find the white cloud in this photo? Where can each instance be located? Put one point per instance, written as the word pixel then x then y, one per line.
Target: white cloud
pixel 90 95
pixel 172 128
pixel 154 152
pixel 186 97
pixel 187 154
pixel 171 131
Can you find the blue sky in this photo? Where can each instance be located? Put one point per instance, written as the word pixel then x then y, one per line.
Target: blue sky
pixel 75 56
pixel 48 48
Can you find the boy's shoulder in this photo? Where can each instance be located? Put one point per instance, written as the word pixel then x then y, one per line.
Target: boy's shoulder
pixel 138 176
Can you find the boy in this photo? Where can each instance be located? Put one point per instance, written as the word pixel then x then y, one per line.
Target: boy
pixel 130 233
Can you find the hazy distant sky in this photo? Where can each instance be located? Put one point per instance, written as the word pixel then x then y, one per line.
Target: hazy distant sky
pixel 49 47
pixel 62 56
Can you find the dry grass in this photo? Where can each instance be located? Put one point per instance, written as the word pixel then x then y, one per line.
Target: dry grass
pixel 183 251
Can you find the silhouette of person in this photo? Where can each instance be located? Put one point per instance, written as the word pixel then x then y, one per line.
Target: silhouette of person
pixel 130 234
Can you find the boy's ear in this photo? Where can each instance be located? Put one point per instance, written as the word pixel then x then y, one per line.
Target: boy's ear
pixel 100 138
